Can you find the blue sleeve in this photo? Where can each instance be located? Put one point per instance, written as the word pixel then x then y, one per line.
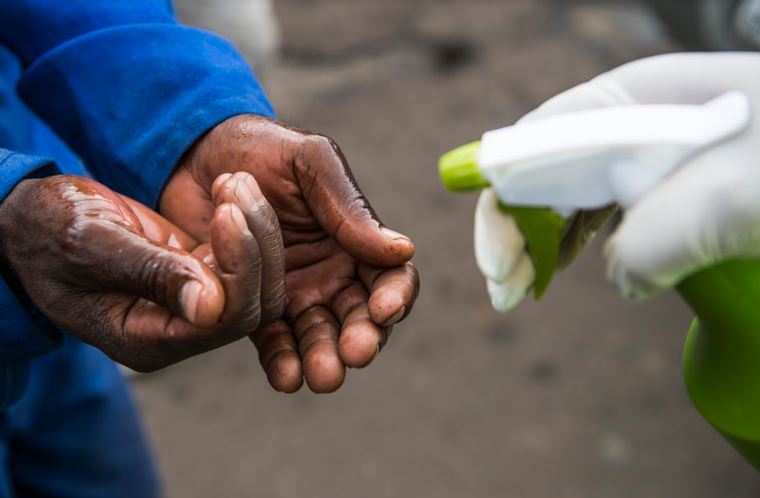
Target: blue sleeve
pixel 126 86
pixel 24 331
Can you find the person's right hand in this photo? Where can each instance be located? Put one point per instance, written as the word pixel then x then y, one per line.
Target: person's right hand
pixel 118 276
pixel 349 278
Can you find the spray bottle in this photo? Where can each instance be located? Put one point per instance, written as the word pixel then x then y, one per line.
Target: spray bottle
pixel 545 170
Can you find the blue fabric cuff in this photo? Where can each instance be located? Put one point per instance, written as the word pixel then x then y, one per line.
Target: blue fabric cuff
pixel 24 331
pixel 14 167
pixel 131 100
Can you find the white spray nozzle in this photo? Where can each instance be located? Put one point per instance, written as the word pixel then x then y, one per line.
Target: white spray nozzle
pixel 590 159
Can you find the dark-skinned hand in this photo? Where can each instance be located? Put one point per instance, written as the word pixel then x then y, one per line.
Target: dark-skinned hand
pixel 348 278
pixel 120 277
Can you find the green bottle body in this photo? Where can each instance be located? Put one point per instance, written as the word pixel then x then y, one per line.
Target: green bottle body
pixel 721 358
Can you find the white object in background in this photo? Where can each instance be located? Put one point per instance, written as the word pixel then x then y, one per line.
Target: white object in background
pixel 250 24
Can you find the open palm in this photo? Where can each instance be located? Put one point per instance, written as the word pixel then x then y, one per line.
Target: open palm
pixel 348 278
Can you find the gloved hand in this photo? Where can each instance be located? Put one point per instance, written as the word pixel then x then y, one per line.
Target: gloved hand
pixel 706 212
pixel 349 279
pixel 118 276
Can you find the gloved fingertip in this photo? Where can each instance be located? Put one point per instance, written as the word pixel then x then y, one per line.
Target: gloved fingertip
pixel 503 296
pixel 499 245
pixel 621 276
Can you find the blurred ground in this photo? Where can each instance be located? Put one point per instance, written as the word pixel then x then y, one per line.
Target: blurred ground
pixel 579 396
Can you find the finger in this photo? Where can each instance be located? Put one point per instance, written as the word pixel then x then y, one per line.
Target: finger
pixel 392 292
pixel 157 338
pixel 340 207
pixel 360 338
pixel 127 262
pixel 670 78
pixel 159 229
pixel 498 241
pixel 127 327
pixel 508 293
pixel 147 337
pixel 279 357
pixel 143 335
pixel 317 333
pixel 239 267
pixel 705 212
pixel 241 189
pixel 186 202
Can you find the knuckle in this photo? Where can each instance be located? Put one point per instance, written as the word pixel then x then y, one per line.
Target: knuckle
pixel 322 142
pixel 160 277
pixel 151 274
pixel 320 146
pixel 79 233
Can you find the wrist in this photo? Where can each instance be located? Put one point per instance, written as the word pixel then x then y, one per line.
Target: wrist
pixel 200 164
pixel 213 148
pixel 9 222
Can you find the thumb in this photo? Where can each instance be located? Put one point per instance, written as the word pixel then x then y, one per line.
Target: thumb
pixel 127 262
pixel 343 211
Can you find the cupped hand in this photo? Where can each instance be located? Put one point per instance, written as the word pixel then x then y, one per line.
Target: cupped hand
pixel 120 277
pixel 348 278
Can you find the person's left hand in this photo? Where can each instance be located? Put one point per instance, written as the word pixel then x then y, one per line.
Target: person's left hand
pixel 348 278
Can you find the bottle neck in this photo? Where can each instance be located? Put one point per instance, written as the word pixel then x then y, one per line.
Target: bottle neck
pixel 725 296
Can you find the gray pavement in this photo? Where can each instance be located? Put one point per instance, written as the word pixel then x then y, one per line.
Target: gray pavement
pixel 577 396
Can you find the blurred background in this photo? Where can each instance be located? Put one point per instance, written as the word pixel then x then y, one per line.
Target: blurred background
pixel 578 396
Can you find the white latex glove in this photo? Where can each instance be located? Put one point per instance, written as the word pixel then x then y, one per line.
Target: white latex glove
pixel 707 211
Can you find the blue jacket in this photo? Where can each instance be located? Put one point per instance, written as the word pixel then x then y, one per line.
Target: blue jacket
pixel 116 87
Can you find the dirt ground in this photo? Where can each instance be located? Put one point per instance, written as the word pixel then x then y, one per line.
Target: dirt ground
pixel 578 396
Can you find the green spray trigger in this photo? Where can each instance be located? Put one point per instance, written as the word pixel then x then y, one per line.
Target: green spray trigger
pixel 541 227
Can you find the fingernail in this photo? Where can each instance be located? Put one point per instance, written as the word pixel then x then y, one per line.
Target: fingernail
pixel 189 296
pixel 244 194
pixel 392 234
pixel 396 317
pixel 238 219
pixel 250 182
pixel 374 356
pixel 219 184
